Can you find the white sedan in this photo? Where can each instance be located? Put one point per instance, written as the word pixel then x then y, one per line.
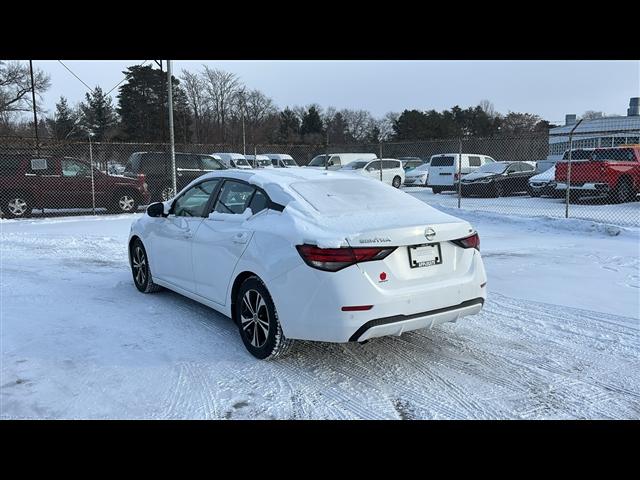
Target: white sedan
pixel 418 176
pixel 309 254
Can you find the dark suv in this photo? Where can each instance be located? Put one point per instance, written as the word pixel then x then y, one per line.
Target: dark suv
pixel 63 182
pixel 156 168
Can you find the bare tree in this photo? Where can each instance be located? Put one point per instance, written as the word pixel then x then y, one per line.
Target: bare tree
pixel 359 123
pixel 221 88
pixel 487 107
pixel 194 89
pixel 15 88
pixel 592 115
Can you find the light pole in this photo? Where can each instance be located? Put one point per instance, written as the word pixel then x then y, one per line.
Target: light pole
pixel 171 138
pixel 33 100
pixel 93 186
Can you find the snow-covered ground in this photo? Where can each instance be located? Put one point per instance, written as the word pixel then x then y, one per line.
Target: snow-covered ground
pixel 559 336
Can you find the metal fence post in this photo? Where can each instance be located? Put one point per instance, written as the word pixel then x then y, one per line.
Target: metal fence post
pixel 568 189
pixel 459 188
pixel 380 161
pixel 93 185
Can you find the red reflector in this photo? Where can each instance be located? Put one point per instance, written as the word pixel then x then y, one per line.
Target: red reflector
pixel 357 308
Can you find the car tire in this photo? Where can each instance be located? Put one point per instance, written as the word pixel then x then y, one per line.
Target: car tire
pixel 436 190
pixel 623 191
pixel 16 206
pixel 258 323
pixel 124 202
pixel 396 182
pixel 140 269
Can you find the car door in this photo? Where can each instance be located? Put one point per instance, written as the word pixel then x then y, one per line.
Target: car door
pixel 76 182
pixel 372 170
pixel 511 180
pixel 526 172
pixel 171 237
pixel 223 237
pixel 44 175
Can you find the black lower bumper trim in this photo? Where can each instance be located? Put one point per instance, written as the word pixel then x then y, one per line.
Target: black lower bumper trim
pixel 400 318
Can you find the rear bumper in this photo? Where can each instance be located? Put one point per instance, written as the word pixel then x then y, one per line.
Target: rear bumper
pixel 594 188
pixel 398 324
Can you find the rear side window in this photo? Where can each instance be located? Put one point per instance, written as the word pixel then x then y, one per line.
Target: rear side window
pixel 234 197
pixel 442 162
pixel 474 161
pixel 525 167
pixel 42 166
pixel 619 154
pixel 188 162
pixel 9 166
pixel 388 164
pixel 154 163
pixel 374 165
pixel 488 160
pixel 259 202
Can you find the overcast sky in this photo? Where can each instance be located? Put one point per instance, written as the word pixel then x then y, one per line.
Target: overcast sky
pixel 547 88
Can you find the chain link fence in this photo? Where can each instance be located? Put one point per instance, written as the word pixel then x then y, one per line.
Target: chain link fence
pixel 573 171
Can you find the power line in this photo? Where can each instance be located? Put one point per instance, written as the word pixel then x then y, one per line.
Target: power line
pixel 88 87
pixel 125 77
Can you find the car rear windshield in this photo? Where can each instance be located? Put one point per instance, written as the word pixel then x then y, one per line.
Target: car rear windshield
pixel 442 162
pixel 619 154
pixel 333 196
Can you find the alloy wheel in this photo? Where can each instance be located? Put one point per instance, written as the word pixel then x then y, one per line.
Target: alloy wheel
pixel 167 194
pixel 17 207
pixel 139 265
pixel 126 203
pixel 254 318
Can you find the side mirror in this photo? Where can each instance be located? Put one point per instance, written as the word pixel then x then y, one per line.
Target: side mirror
pixel 156 209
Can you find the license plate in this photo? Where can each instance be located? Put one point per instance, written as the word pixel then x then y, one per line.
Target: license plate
pixel 425 255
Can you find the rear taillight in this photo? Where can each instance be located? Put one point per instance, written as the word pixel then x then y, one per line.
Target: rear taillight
pixel 472 241
pixel 334 259
pixel 142 181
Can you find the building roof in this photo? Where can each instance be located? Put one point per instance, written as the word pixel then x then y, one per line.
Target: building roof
pixel 604 124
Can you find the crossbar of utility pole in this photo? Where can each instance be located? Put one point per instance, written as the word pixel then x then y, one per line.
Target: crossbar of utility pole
pixel 171 137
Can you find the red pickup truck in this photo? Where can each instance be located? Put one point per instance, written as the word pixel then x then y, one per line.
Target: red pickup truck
pixel 27 183
pixel 608 172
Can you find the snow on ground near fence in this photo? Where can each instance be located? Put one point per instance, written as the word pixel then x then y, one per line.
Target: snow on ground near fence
pixel 559 337
pixel 625 214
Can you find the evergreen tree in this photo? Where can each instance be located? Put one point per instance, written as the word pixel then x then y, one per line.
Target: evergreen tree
pixel 98 114
pixel 64 125
pixel 311 126
pixel 142 106
pixel 289 126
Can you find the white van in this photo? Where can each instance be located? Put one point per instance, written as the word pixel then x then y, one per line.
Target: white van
pixel 281 160
pixel 392 171
pixel 233 160
pixel 338 160
pixel 443 169
pixel 259 161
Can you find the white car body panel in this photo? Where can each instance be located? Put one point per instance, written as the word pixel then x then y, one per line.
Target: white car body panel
pixel 330 210
pixel 233 160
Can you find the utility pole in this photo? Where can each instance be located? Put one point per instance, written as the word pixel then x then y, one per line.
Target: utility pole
pixel 33 101
pixel 163 131
pixel 171 139
pixel 567 192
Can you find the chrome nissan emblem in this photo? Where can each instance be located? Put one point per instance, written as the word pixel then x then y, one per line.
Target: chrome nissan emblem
pixel 429 233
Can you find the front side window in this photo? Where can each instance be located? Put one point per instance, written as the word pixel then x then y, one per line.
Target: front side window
pixel 318 161
pixel 74 168
pixel 375 165
pixel 234 198
pixel 192 202
pixel 513 168
pixel 526 167
pixel 335 160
